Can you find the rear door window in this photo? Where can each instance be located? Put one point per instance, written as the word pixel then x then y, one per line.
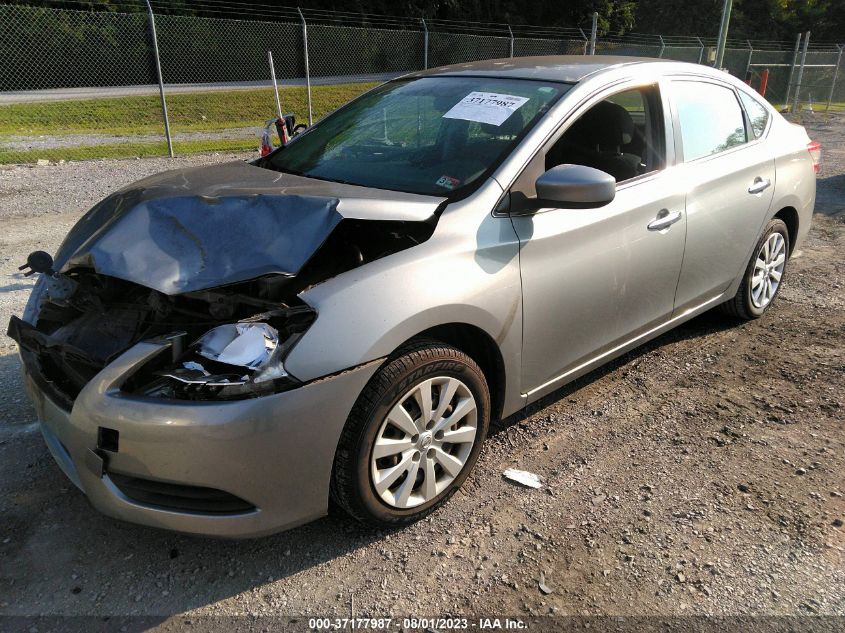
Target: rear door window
pixel 757 114
pixel 710 117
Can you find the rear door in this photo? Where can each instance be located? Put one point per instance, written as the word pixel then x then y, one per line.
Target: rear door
pixel 729 176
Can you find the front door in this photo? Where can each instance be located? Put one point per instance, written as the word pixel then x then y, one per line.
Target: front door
pixel 595 278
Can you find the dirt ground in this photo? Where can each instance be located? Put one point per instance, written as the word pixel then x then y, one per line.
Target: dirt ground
pixel 701 474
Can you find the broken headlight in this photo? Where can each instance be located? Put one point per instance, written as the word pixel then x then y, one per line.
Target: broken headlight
pixel 232 361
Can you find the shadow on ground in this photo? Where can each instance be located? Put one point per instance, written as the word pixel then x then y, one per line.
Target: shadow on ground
pixel 830 195
pixel 710 322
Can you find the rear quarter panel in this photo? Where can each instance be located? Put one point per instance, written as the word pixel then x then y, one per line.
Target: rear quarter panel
pixel 796 180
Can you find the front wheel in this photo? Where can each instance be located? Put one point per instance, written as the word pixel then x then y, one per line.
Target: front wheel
pixel 764 274
pixel 413 435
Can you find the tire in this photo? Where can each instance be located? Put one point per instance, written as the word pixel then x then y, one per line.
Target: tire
pixel 373 447
pixel 748 303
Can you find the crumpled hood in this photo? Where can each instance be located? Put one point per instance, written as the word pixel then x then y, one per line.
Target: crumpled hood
pixel 193 229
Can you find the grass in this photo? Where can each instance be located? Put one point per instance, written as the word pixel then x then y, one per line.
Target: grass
pixel 128 150
pixel 141 115
pixel 818 106
pixel 196 111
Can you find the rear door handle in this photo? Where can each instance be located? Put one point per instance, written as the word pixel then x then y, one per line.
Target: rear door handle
pixel 664 220
pixel 760 185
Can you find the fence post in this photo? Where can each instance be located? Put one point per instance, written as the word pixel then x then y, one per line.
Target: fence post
pixel 792 71
pixel 835 75
pixel 662 46
pixel 748 64
pixel 800 72
pixel 307 67
pixel 723 33
pixel 425 44
pixel 160 79
pixel 586 41
pixel 700 50
pixel 510 30
pixel 275 86
pixel 593 33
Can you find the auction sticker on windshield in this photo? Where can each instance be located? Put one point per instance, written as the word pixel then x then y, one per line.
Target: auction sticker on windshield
pixel 486 107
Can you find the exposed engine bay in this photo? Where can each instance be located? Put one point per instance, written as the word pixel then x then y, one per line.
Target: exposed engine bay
pixel 75 338
pixel 226 342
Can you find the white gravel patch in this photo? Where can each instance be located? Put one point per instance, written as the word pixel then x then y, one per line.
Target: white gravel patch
pixel 74 187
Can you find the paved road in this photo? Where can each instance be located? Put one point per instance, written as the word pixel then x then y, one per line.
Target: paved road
pixel 63 94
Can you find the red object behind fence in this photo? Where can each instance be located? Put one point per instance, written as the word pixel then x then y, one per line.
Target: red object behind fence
pixel 764 81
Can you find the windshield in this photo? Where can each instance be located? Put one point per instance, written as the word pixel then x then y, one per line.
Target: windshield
pixel 434 135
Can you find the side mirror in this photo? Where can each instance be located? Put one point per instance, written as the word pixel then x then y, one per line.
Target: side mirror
pixel 576 186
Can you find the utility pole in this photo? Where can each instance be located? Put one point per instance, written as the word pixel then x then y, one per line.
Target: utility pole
pixel 723 32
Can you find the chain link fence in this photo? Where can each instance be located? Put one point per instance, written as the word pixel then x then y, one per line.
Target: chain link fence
pixel 85 84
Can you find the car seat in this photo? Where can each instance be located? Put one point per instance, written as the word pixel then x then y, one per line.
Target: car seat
pixel 596 140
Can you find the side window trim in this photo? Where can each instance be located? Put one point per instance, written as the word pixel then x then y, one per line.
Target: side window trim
pixel 749 125
pixel 674 155
pixel 607 91
pixel 676 121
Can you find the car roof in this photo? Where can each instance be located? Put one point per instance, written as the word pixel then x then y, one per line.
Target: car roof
pixel 565 68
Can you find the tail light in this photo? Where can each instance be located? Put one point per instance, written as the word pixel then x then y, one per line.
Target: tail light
pixel 815 149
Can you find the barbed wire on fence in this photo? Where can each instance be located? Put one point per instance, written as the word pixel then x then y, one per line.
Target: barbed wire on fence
pixel 62 55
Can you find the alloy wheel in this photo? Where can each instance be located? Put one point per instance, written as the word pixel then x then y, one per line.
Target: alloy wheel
pixel 768 270
pixel 424 442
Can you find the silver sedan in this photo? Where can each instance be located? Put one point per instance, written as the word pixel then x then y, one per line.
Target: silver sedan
pixel 224 350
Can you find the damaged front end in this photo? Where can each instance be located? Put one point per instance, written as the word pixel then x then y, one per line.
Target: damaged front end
pixel 225 344
pixel 212 261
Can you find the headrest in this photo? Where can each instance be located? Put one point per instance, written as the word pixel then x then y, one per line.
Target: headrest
pixel 606 124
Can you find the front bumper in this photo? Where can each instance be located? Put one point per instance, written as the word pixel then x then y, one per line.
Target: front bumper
pixel 275 452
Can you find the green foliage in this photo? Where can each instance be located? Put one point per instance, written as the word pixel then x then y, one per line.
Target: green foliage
pixel 753 19
pixel 750 19
pixel 127 150
pixel 197 111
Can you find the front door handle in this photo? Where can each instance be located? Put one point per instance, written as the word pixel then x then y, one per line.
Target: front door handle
pixel 760 185
pixel 664 220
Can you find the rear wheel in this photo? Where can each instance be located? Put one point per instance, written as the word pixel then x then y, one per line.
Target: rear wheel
pixel 413 435
pixel 764 274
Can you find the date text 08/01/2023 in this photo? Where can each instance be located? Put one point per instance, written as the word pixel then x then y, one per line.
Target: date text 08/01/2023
pixel 413 624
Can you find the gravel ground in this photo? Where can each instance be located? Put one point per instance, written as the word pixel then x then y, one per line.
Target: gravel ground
pixel 701 474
